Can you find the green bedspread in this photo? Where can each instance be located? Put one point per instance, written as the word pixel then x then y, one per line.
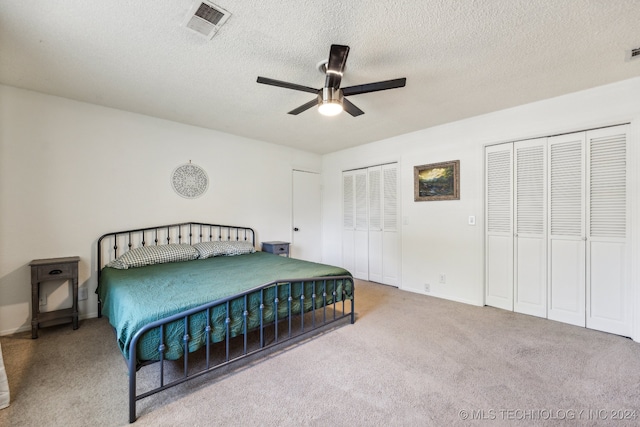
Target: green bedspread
pixel 135 297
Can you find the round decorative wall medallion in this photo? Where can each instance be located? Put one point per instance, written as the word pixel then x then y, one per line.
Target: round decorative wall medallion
pixel 189 180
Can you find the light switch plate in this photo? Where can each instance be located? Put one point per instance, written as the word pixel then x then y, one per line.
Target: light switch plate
pixel 472 220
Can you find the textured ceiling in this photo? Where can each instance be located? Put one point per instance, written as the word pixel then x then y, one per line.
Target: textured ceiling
pixel 460 58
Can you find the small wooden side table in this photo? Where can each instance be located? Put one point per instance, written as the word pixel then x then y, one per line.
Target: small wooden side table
pixel 43 270
pixel 278 248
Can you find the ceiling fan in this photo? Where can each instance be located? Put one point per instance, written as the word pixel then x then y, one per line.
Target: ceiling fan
pixel 331 98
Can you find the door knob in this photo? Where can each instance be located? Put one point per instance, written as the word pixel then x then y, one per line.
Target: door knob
pixel 296 229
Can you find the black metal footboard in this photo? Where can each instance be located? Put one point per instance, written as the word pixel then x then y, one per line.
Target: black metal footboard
pixel 289 317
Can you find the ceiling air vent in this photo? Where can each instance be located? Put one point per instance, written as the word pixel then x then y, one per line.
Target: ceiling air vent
pixel 206 18
pixel 633 54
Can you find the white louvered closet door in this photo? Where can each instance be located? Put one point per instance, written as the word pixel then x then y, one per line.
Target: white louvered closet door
pixel 390 232
pixel 383 225
pixel 499 226
pixel 530 213
pixel 371 239
pixel 567 239
pixel 348 221
pixel 375 223
pixel 608 294
pixel 557 229
pixel 355 231
pixel 361 232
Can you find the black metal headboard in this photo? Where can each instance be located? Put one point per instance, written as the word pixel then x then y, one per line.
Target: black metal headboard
pixel 112 245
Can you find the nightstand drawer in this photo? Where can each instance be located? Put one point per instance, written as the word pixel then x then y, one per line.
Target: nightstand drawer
pixel 278 248
pixel 54 271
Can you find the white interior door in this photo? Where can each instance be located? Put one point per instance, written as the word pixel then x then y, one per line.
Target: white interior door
pixel 499 226
pixel 307 217
pixel 567 238
pixel 530 213
pixel 608 294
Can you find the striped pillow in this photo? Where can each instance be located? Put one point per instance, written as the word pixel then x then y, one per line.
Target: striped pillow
pixel 148 255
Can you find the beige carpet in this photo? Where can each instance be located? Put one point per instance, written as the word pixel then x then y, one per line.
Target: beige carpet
pixel 409 360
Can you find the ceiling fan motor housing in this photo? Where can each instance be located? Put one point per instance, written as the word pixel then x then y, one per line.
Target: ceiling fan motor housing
pixel 330 95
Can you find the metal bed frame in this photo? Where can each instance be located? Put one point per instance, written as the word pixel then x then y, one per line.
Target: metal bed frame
pixel 322 313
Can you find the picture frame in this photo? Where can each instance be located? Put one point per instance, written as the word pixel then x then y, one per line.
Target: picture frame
pixel 437 181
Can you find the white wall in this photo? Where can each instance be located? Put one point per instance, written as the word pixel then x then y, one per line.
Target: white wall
pixel 70 172
pixel 436 237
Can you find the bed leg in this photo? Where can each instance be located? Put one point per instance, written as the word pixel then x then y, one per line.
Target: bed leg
pixel 132 389
pixel 353 309
pixel 132 412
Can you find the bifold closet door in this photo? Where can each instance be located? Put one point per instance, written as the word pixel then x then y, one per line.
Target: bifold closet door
pixel 567 239
pixel 530 239
pixel 348 221
pixel 516 226
pixel 499 226
pixel 375 223
pixel 354 223
pixel 588 250
pixel 557 228
pixel 608 296
pixel 371 241
pixel 390 233
pixel 384 247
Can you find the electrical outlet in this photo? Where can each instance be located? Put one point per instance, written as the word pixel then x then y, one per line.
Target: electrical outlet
pixel 443 278
pixel 83 293
pixel 427 287
pixel 43 298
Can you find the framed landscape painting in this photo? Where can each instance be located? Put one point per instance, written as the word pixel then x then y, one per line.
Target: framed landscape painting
pixel 437 181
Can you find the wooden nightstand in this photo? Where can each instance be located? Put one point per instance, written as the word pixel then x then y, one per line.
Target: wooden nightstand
pixel 43 270
pixel 278 248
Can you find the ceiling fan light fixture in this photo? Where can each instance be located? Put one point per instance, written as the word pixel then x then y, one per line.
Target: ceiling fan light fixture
pixel 330 108
pixel 330 102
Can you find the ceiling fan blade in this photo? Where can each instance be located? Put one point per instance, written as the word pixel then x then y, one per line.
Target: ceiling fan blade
pixel 335 66
pixel 304 107
pixel 374 87
pixel 350 108
pixel 286 85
